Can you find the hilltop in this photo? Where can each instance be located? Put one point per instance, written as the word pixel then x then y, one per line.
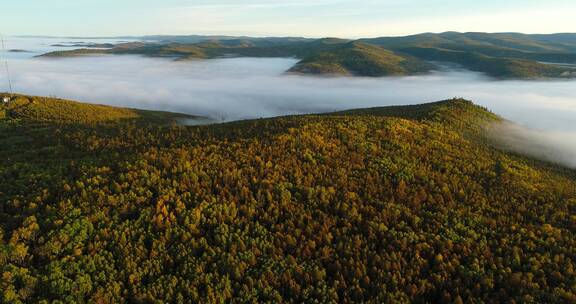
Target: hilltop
pixel 393 204
pixel 499 55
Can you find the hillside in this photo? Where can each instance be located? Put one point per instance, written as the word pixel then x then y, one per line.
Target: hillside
pixel 31 109
pixel 395 204
pixel 503 68
pixel 356 58
pixel 499 55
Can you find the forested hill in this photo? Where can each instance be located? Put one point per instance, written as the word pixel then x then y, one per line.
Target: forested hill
pixel 401 204
pixel 356 58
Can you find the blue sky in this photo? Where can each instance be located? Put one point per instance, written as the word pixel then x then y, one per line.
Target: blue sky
pixel 312 18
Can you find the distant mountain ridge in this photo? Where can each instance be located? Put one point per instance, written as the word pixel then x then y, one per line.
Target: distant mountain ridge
pixel 499 55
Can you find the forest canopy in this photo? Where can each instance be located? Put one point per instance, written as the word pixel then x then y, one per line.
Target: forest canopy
pixel 383 205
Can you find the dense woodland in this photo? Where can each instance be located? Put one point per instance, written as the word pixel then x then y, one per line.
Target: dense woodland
pixel 386 205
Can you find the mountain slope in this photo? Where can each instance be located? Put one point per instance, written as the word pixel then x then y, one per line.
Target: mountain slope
pixel 405 204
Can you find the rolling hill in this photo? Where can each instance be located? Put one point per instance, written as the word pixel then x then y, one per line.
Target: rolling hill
pixel 396 204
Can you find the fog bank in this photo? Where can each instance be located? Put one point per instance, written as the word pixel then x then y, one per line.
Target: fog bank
pixel 556 147
pixel 231 89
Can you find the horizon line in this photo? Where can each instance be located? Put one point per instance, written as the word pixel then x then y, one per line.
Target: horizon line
pixel 268 36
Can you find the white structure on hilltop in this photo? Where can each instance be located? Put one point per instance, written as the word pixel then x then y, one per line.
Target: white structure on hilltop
pixel 5 99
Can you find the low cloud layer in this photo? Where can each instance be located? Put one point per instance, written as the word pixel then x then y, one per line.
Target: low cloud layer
pixel 556 147
pixel 231 89
pixel 248 88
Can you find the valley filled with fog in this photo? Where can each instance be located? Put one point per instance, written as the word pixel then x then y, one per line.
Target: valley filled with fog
pixel 243 88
